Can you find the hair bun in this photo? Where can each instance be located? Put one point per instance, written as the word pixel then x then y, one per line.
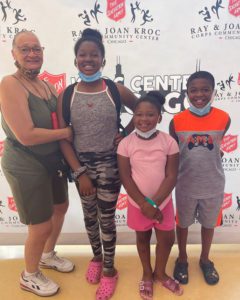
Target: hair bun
pixel 157 95
pixel 92 33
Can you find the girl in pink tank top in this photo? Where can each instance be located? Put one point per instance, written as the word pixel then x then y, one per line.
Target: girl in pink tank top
pixel 148 164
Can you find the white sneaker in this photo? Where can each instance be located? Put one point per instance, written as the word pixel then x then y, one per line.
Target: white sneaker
pixel 57 263
pixel 38 284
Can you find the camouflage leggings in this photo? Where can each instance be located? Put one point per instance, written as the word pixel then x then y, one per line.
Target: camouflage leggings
pixel 99 209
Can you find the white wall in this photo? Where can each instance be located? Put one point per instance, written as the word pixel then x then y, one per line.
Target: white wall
pixel 176 40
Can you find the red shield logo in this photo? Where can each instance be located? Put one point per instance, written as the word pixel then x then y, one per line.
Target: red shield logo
pixel 122 201
pixel 227 201
pixel 58 81
pixel 234 7
pixel 1 148
pixel 116 9
pixel 239 78
pixel 229 143
pixel 11 204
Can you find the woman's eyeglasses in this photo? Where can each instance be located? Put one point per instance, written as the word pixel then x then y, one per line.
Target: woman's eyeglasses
pixel 27 50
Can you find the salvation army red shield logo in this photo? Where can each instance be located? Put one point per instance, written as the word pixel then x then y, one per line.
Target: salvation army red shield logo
pixel 229 143
pixel 116 9
pixel 234 7
pixel 122 201
pixel 58 81
pixel 227 201
pixel 1 148
pixel 11 204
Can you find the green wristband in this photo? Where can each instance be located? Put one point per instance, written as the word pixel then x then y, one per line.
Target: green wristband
pixel 150 201
pixel 124 133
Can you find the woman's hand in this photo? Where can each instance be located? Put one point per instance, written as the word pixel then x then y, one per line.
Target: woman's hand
pixel 69 133
pixel 86 187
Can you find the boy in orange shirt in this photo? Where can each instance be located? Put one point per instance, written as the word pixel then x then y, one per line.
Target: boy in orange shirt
pixel 200 186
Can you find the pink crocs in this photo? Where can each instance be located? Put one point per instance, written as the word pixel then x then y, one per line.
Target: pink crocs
pixel 107 287
pixel 94 271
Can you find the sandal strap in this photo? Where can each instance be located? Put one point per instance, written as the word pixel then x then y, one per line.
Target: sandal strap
pixel 173 285
pixel 146 289
pixel 146 286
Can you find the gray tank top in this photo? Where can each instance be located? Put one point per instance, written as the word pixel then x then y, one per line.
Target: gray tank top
pixel 94 121
pixel 200 174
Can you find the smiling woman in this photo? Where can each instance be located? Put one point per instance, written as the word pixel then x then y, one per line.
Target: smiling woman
pixel 28 106
pixel 28 54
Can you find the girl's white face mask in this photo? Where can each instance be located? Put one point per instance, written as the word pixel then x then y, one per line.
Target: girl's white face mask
pixel 147 134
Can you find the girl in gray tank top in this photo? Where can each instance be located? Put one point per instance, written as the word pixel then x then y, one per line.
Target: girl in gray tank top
pixel 90 112
pixel 92 156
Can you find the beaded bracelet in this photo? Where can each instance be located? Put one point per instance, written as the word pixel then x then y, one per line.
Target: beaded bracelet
pixel 80 171
pixel 150 201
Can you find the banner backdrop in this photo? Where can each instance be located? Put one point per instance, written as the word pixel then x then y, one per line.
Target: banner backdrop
pixel 149 45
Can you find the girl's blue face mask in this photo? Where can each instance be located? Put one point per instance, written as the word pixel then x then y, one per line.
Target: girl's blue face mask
pixel 91 78
pixel 204 110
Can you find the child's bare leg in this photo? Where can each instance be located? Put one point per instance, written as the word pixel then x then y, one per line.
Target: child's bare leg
pixel 207 237
pixel 210 273
pixel 180 272
pixel 165 241
pixel 182 234
pixel 143 247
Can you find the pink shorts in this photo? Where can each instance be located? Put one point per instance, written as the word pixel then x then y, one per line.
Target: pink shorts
pixel 138 222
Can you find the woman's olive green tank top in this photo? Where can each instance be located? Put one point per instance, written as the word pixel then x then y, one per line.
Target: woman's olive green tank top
pixel 40 111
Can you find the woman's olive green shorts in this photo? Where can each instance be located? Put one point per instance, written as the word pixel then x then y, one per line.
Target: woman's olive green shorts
pixel 35 194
